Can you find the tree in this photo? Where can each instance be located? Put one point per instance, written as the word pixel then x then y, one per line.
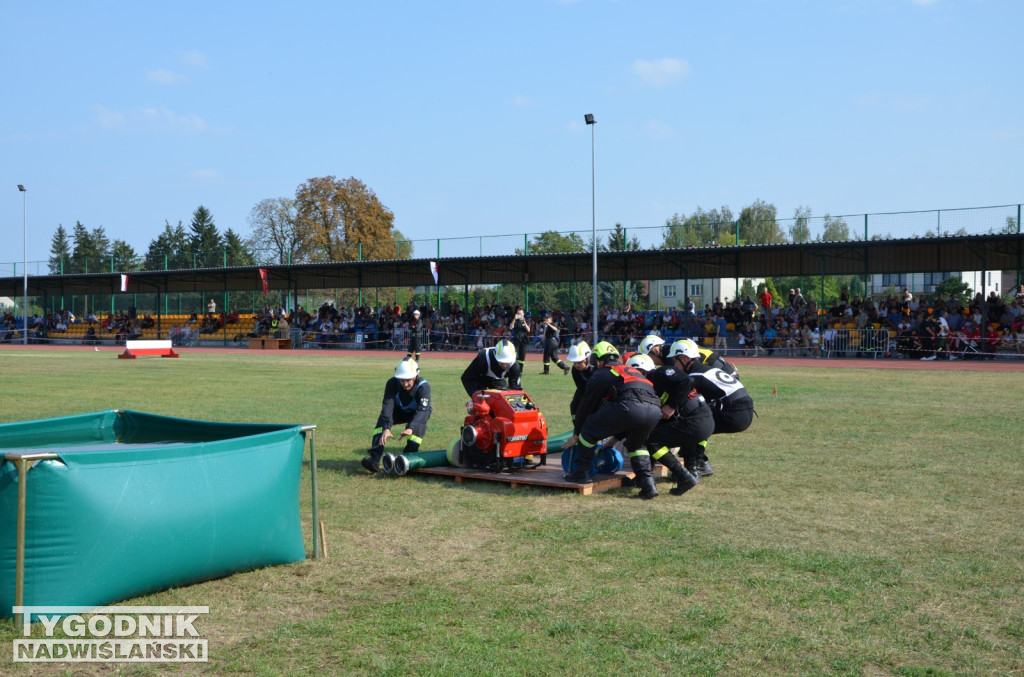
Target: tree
pixel 800 231
pixel 552 242
pixel 206 243
pixel 835 230
pixel 275 235
pixel 954 287
pixel 170 250
pixel 60 251
pixel 90 250
pixel 343 220
pixel 629 292
pixel 123 256
pixel 701 229
pixel 1011 226
pixel 236 252
pixel 757 224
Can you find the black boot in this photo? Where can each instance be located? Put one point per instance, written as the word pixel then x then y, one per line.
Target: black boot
pixel 584 459
pixel 644 478
pixel 565 368
pixel 372 462
pixel 683 478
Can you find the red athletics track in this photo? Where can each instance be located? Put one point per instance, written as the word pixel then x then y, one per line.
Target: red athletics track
pixel 534 359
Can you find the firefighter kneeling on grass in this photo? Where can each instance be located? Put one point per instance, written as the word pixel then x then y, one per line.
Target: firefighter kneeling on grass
pixel 617 402
pixel 406 400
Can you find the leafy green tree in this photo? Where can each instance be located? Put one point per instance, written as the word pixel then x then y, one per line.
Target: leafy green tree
pixel 170 250
pixel 758 225
pixel 343 220
pixel 700 229
pixel 1011 226
pixel 60 251
pixel 800 231
pixel 204 240
pixel 835 229
pixel 955 287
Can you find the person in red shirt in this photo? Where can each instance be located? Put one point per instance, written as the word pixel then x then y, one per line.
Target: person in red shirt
pixel 765 297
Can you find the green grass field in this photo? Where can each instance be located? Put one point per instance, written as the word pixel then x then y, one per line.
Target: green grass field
pixel 867 524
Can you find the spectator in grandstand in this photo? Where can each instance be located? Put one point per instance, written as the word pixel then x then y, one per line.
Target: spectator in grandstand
pixel 770 337
pixel 927 335
pixel 90 336
pixel 147 322
pixel 493 368
pixel 721 332
pixel 812 339
pixel 406 401
pixel 795 341
pixel 765 297
pixel 211 307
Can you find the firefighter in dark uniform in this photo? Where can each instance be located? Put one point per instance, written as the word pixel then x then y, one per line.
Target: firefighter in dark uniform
pixel 407 401
pixel 520 329
pixel 493 369
pixel 686 422
pixel 415 331
pixel 582 370
pixel 651 346
pixel 731 404
pixel 551 346
pixel 617 402
pixel 710 358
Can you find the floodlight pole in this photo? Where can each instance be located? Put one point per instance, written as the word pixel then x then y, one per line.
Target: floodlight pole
pixel 24 272
pixel 589 118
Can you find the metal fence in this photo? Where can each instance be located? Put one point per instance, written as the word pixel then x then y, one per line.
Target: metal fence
pixel 850 227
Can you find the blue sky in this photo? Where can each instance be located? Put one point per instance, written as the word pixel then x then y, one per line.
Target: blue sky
pixel 466 118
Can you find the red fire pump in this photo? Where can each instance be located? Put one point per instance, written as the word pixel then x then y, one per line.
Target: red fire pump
pixel 503 430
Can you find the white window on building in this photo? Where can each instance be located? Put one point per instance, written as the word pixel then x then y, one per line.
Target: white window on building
pixel 696 290
pixel 668 291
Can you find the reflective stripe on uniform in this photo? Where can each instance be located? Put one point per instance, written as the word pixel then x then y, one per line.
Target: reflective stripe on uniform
pixel 639 452
pixel 659 453
pixel 417 440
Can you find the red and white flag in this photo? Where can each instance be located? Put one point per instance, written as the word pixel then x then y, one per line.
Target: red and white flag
pixel 263 279
pixel 433 270
pixel 124 282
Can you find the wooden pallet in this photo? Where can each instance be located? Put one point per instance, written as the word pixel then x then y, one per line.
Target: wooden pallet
pixel 550 475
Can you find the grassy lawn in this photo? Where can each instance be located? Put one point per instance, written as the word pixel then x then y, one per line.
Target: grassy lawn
pixel 867 524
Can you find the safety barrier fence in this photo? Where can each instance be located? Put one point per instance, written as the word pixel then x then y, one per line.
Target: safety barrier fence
pixel 867 343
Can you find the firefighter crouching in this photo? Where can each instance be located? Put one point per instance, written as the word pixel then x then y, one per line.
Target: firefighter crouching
pixel 617 402
pixel 685 422
pixel 406 400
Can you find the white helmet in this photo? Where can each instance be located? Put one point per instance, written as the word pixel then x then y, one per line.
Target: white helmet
pixel 641 362
pixel 504 352
pixel 649 343
pixel 407 369
pixel 579 352
pixel 684 347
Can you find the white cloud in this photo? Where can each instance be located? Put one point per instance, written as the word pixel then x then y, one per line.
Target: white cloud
pixel 659 131
pixel 205 175
pixel 195 59
pixel 660 72
pixel 523 101
pixel 152 119
pixel 165 77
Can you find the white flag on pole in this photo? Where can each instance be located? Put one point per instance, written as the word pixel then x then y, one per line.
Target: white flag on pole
pixel 124 282
pixel 433 269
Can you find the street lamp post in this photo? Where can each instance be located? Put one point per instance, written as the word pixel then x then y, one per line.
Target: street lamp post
pixel 589 118
pixel 24 272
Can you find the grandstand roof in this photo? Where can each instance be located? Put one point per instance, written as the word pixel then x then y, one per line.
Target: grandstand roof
pixel 939 254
